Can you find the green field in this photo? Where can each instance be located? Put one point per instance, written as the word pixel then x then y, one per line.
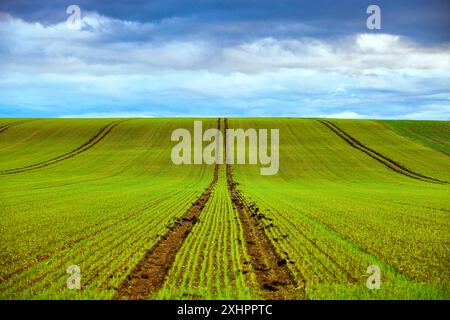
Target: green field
pixel 103 193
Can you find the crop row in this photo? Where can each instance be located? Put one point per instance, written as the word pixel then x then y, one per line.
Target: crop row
pixel 103 219
pixel 213 261
pixel 331 230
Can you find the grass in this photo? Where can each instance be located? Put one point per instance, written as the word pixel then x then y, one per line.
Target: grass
pixel 337 211
pixel 109 204
pixel 405 151
pixel 433 134
pixel 333 209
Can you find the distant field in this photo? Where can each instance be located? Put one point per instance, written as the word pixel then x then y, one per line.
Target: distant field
pixel 103 194
pixel 434 134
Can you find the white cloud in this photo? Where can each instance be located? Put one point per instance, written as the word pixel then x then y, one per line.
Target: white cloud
pixel 115 44
pixel 120 61
pixel 109 115
pixel 429 112
pixel 345 115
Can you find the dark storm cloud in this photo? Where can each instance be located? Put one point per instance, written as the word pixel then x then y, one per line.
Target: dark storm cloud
pixel 233 20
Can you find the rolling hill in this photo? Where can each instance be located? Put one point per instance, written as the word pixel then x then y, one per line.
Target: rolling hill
pixel 103 194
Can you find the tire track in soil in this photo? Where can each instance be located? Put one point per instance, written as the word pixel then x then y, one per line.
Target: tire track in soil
pixel 389 163
pixel 10 125
pixel 99 136
pixel 150 273
pixel 272 273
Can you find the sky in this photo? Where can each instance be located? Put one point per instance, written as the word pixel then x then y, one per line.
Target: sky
pixel 246 58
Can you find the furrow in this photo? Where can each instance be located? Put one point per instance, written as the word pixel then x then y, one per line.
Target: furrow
pixel 150 273
pixel 389 163
pixel 107 240
pixel 272 273
pixel 99 136
pixel 10 125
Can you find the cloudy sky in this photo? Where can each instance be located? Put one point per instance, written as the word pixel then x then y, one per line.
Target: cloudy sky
pixel 225 58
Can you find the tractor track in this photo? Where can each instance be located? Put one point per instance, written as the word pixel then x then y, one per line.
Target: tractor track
pixel 99 136
pixel 274 278
pixel 10 125
pixel 389 163
pixel 151 272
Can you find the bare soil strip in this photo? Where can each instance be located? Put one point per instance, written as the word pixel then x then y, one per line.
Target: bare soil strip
pixel 272 273
pixel 10 125
pixel 389 163
pixel 99 136
pixel 151 272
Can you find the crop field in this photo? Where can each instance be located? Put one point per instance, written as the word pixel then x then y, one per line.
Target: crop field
pixel 104 195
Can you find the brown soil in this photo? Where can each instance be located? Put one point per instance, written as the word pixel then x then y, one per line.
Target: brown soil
pixel 272 273
pixel 151 272
pixel 99 136
pixel 389 163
